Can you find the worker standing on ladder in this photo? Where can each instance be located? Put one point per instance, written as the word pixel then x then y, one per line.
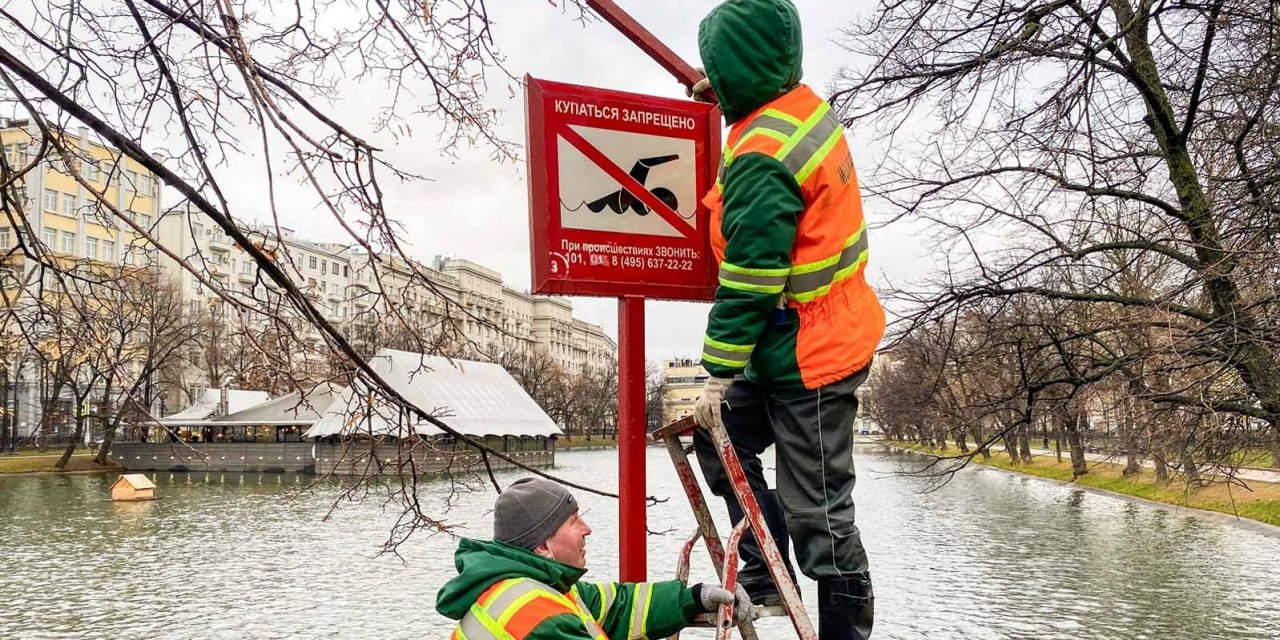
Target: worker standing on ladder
pixel 795 325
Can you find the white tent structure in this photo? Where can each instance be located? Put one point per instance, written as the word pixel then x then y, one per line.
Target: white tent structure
pixel 476 398
pixel 289 409
pixel 207 404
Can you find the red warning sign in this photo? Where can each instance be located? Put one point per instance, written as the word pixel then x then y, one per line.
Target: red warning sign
pixel 615 185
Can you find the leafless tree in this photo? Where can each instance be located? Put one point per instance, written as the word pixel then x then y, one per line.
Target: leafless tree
pixel 187 88
pixel 1112 162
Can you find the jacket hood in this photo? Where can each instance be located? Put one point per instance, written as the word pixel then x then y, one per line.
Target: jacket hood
pixel 751 50
pixel 481 563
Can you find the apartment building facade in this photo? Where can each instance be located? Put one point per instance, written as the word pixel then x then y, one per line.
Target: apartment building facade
pixel 62 215
pixel 63 210
pixel 483 316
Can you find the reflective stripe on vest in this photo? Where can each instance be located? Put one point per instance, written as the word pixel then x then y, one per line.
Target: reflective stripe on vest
pixel 814 279
pixel 488 618
pixel 805 145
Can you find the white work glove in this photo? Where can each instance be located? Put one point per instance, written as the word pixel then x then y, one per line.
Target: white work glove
pixel 698 87
pixel 706 411
pixel 711 596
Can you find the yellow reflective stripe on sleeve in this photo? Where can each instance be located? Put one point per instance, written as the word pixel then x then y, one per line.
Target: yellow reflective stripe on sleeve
pixel 640 611
pixel 607 598
pixel 754 271
pixel 725 354
pixel 771 281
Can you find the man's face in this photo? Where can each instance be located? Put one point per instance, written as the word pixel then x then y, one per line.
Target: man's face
pixel 569 543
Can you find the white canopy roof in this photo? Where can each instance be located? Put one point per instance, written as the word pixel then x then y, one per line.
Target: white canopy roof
pixel 207 404
pixel 290 409
pixel 476 398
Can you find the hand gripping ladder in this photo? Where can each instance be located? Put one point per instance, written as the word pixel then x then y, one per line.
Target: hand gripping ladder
pixel 725 559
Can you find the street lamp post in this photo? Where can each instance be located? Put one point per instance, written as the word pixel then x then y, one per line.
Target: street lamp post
pixel 6 439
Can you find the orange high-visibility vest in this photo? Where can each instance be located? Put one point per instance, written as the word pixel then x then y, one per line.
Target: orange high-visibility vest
pixel 512 608
pixel 841 320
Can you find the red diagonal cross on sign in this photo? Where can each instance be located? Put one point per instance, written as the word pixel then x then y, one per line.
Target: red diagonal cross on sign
pixel 623 178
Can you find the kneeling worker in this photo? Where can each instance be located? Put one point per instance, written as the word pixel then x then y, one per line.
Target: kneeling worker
pixel 525 583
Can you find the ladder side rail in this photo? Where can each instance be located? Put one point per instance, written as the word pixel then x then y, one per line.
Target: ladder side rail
pixel 697 502
pixel 773 558
pixel 706 525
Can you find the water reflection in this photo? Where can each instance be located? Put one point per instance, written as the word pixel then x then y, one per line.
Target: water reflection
pixel 249 556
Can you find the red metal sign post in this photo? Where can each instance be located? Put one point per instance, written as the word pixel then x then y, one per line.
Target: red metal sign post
pixel 615 186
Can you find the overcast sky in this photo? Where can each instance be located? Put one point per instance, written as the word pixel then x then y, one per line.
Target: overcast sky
pixel 477 209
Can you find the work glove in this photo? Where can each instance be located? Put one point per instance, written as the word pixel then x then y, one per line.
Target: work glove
pixel 710 596
pixel 706 411
pixel 695 92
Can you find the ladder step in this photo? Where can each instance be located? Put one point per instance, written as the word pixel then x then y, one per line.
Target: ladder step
pixel 680 427
pixel 709 619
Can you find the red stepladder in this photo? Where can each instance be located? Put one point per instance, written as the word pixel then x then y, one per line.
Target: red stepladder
pixel 724 557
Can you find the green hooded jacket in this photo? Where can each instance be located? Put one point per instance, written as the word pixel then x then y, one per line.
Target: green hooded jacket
pixel 751 50
pixel 664 607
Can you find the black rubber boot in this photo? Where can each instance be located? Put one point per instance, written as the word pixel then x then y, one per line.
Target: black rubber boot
pixel 846 608
pixel 754 575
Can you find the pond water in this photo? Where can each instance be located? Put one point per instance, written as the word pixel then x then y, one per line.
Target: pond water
pixel 989 555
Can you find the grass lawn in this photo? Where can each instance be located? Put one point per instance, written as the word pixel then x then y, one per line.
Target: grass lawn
pixel 1260 458
pixel 38 464
pixel 1261 502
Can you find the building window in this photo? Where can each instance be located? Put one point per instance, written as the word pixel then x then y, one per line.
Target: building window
pixel 68 204
pixel 346 271
pixel 246 267
pixel 5 238
pixel 51 200
pixel 91 248
pixel 133 181
pixel 311 262
pixel 324 267
pixel 17 154
pixel 146 185
pixel 197 229
pixel 68 242
pixel 49 237
pixel 108 251
pixel 91 171
pixel 146 222
pixel 195 284
pixel 333 268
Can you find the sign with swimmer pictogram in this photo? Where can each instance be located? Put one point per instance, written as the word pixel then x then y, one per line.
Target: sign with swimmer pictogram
pixel 615 187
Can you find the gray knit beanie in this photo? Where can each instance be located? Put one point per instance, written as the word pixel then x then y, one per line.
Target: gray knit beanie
pixel 530 511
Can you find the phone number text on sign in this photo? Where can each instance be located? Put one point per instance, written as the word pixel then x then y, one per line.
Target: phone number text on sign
pixel 623 256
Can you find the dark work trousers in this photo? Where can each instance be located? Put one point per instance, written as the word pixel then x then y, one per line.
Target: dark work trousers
pixel 813 432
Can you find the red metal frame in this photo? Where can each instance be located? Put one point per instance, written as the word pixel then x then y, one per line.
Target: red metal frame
pixel 649 43
pixel 632 525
